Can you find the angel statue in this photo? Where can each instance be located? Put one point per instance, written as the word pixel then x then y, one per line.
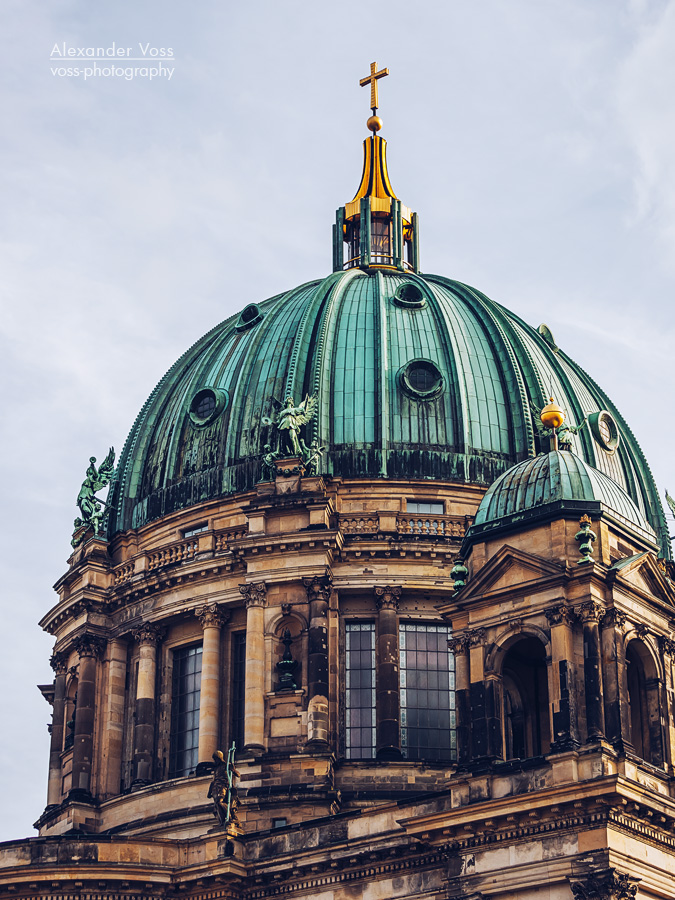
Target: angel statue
pixel 311 456
pixel 223 790
pixel 563 432
pixel 92 509
pixel 670 502
pixel 289 419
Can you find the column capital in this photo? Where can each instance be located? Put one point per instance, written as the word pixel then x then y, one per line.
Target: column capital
pixel 387 597
pixel 459 645
pixel 212 616
pixel 667 646
pixel 318 587
pixel 59 663
pixel 149 633
pixel 254 594
pixel 607 884
pixel 560 614
pixel 591 611
pixel 90 645
pixel 476 637
pixel 613 617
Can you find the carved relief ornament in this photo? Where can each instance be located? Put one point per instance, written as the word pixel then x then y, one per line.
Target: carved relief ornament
pixel 590 611
pixel 254 594
pixel 90 645
pixel 318 587
pixel 613 617
pixel 608 884
pixel 561 614
pixel 59 663
pixel 212 616
pixel 148 633
pixel 387 597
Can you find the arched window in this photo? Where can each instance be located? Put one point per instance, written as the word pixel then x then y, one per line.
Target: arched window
pixel 644 703
pixel 525 707
pixel 71 710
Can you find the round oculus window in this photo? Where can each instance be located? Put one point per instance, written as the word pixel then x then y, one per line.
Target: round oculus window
pixel 249 317
pixel 207 405
pixel 409 296
pixel 421 379
pixel 604 429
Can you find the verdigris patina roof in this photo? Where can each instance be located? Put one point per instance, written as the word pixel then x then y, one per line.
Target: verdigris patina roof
pixel 555 481
pixel 416 377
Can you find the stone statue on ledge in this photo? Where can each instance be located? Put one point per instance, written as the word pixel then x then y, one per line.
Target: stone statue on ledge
pixel 289 419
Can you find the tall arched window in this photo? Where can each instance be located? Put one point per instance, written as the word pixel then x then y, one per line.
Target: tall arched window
pixel 644 703
pixel 525 707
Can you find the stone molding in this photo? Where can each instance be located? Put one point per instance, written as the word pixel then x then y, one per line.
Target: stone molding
pixel 212 616
pixel 607 884
pixel 149 633
pixel 90 645
pixel 560 614
pixel 387 597
pixel 59 663
pixel 254 594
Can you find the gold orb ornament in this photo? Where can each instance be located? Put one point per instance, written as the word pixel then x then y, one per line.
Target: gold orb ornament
pixel 374 123
pixel 552 416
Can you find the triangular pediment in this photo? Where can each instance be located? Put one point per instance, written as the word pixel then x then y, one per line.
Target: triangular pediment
pixel 509 568
pixel 643 573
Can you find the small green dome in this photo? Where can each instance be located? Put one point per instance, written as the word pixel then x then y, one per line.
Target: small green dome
pixel 552 482
pixel 416 377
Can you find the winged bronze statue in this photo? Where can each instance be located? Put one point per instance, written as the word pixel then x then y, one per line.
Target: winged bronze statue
pixel 289 419
pixel 93 510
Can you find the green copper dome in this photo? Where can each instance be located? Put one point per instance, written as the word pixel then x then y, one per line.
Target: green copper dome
pixel 551 482
pixel 416 377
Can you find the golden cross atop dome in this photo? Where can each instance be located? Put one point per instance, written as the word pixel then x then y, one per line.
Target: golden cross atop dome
pixel 372 80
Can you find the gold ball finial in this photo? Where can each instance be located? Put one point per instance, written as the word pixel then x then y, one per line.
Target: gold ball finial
pixel 551 415
pixel 374 123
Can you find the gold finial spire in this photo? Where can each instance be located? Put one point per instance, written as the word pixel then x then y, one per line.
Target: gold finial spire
pixel 551 415
pixel 374 122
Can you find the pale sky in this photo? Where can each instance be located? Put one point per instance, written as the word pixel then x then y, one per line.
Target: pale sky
pixel 535 138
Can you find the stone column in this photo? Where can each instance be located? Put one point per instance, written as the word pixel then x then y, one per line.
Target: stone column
pixel 614 680
pixel 212 619
pixel 485 702
pixel 59 663
pixel 89 648
pixel 148 636
pixel 388 742
pixel 255 598
pixel 590 613
pixel 318 594
pixel 562 680
pixel 459 646
pixel 113 727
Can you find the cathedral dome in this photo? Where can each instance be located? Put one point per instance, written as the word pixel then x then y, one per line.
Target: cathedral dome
pixel 416 376
pixel 552 482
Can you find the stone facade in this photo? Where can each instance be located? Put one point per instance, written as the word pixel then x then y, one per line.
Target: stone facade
pixel 562 779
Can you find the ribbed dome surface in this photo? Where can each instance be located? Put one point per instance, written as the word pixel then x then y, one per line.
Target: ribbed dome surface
pixel 550 478
pixel 350 338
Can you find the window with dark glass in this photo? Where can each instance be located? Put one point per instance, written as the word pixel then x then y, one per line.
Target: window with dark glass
pixel 427 676
pixel 238 687
pixel 186 683
pixel 360 690
pixel 421 506
pixel 380 240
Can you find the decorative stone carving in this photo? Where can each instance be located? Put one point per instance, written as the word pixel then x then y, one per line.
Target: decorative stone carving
pixel 254 594
pixel 318 587
pixel 585 537
pixel 90 645
pixel 387 597
pixel 642 629
pixel 149 633
pixel 613 617
pixel 59 663
pixel 477 637
pixel 590 612
pixel 560 615
pixel 212 616
pixel 287 666
pixel 667 646
pixel 608 884
pixel 459 644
